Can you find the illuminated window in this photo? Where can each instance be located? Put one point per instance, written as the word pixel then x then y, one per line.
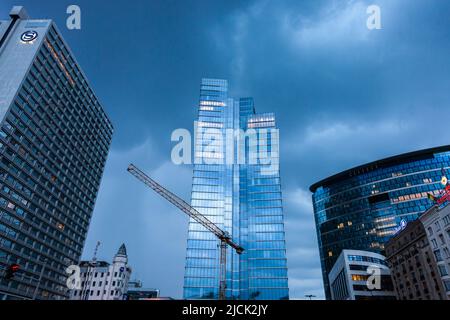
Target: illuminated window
pixel 359 277
pixel 330 253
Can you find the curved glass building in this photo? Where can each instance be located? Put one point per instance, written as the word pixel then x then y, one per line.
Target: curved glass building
pixel 361 208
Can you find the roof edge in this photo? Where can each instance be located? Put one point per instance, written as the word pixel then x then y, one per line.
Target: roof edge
pixel 377 164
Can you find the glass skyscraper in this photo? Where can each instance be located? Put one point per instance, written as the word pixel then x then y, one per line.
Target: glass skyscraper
pixel 242 196
pixel 54 141
pixel 361 208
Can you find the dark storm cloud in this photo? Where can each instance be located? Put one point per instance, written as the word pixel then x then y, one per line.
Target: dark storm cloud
pixel 343 95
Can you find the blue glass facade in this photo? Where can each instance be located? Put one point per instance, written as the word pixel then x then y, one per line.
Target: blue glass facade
pixel 241 198
pixel 360 208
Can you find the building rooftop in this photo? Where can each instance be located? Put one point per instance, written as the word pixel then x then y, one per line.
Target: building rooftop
pixel 383 163
pixel 97 264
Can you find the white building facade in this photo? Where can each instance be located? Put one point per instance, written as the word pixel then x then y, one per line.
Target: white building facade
pixel 437 225
pixel 101 280
pixel 354 277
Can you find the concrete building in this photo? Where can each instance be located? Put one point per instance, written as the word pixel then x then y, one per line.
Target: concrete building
pixel 413 267
pixel 103 281
pixel 436 222
pixel 360 275
pixel 54 141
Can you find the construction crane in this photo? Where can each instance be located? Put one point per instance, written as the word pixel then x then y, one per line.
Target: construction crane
pixel 223 236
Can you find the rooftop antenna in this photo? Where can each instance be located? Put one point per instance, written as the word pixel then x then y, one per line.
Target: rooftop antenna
pixel 94 259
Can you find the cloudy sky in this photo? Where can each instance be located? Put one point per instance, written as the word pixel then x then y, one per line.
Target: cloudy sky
pixel 343 95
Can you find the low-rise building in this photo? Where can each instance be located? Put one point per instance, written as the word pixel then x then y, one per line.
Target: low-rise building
pixel 413 267
pixel 137 292
pixel 436 222
pixel 101 280
pixel 360 275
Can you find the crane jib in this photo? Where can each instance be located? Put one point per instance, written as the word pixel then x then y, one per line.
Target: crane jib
pixel 185 207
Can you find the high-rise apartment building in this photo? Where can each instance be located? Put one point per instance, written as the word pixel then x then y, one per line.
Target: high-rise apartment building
pixel 54 141
pixel 238 189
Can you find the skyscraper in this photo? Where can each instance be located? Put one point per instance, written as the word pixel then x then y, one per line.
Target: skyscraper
pixel 54 141
pixel 240 195
pixel 362 208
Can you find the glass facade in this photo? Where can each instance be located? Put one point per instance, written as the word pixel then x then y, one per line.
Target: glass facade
pixel 241 198
pixel 361 208
pixel 54 141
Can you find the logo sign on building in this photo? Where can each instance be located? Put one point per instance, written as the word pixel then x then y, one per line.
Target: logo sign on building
pixel 122 269
pixel 29 36
pixel 401 227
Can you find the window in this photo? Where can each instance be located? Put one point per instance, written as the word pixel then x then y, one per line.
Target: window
pixel 443 270
pixel 437 254
pixel 359 277
pixel 447 219
pixel 441 238
pixel 446 253
pixel 437 225
pixel 434 243
pixel 430 231
pixel 447 285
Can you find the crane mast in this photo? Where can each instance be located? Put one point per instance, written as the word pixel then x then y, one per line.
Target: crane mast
pixel 223 236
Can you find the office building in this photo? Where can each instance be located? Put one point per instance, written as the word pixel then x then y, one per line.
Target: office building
pixel 361 275
pixel 240 195
pixel 101 280
pixel 54 141
pixel 413 267
pixel 361 208
pixel 436 222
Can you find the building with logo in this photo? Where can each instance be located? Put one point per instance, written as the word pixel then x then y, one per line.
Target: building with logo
pixel 242 197
pixel 361 275
pixel 413 266
pixel 54 141
pixel 101 280
pixel 436 222
pixel 361 208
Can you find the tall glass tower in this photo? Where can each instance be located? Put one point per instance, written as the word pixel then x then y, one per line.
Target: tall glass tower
pixel 241 195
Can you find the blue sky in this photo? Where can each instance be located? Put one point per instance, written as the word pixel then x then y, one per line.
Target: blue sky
pixel 343 95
